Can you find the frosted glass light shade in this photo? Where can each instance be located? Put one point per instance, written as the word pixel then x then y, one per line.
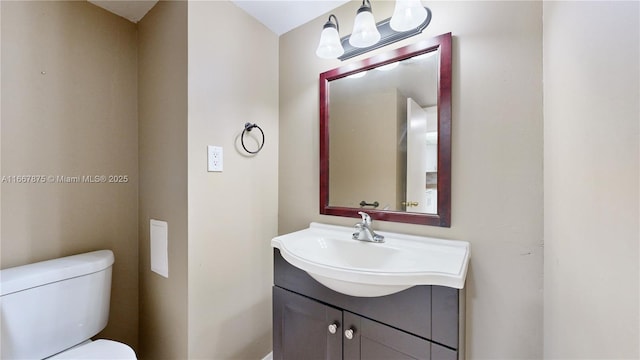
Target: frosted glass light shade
pixel 329 46
pixel 407 15
pixel 365 33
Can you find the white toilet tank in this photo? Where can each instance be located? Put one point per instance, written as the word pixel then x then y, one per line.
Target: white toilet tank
pixel 50 306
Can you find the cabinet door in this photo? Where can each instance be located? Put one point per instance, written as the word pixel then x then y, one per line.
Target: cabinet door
pixel 439 352
pixel 374 341
pixel 301 328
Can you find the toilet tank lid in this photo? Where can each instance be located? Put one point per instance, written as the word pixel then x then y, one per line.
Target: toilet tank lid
pixel 28 276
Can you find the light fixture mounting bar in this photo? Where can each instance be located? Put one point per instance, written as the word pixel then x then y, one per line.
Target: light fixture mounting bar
pixel 387 36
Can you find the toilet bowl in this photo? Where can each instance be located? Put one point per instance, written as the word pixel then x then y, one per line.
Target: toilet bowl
pixel 51 309
pixel 99 349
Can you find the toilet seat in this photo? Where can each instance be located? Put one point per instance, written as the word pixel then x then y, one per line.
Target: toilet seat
pixel 99 349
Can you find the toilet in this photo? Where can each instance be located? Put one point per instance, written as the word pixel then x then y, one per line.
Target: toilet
pixel 51 309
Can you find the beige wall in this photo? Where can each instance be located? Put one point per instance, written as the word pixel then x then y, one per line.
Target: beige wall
pixel 162 71
pixel 77 118
pixel 591 182
pixel 233 79
pixel 497 159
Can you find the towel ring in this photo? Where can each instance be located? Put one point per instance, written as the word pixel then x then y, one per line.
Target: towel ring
pixel 248 127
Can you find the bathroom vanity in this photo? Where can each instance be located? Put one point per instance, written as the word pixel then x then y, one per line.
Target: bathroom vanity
pixel 337 297
pixel 379 320
pixel 311 321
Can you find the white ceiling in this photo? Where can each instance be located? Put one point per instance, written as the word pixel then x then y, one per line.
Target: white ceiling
pixel 132 10
pixel 279 16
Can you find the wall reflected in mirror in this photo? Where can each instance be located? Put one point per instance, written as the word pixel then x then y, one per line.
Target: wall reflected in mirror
pixel 384 137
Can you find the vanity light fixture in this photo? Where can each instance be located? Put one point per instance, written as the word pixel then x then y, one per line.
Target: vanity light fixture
pixel 357 75
pixel 330 46
pixel 409 19
pixel 407 15
pixel 365 33
pixel 388 67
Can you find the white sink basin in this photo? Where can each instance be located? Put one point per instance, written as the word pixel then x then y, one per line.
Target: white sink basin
pixel 358 268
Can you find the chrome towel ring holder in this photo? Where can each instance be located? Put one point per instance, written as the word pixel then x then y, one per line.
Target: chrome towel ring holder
pixel 247 128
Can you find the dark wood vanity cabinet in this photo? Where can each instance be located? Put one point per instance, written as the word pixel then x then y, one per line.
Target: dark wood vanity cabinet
pixel 397 326
pixel 302 328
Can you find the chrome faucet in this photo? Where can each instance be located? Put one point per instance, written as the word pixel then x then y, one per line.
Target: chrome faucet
pixel 364 232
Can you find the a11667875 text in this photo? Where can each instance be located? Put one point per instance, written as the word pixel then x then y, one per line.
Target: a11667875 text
pixel 64 179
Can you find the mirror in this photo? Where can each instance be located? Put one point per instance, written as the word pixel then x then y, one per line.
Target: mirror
pixel 385 135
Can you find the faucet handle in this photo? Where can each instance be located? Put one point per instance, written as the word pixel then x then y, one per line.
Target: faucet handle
pixel 366 219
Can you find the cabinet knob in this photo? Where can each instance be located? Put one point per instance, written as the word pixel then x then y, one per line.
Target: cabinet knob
pixel 333 328
pixel 348 334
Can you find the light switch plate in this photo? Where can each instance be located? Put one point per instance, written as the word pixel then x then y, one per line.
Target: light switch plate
pixel 214 158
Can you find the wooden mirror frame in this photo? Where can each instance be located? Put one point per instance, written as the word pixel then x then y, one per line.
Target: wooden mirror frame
pixel 443 216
